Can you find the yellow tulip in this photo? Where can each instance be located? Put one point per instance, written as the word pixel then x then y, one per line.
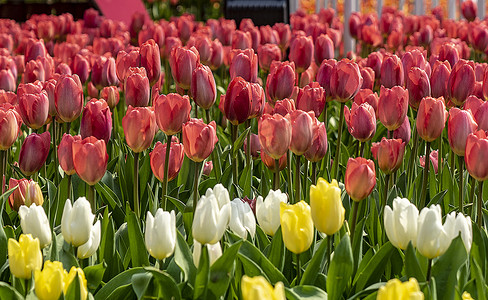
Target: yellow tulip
pixel 24 256
pixel 50 281
pixel 296 226
pixel 467 296
pixel 327 209
pixel 257 288
pixel 81 278
pixel 394 289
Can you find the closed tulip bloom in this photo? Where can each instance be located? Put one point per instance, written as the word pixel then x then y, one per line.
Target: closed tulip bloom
pixel 182 62
pixel 469 10
pixel 392 106
pixel 34 70
pixel 311 98
pixel 297 226
pixel 136 87
pixel 461 82
pixel 301 131
pixel 280 81
pixel 237 105
pixel 324 74
pixel 431 118
pixel 255 288
pixel 9 127
pixel 368 78
pixel 28 193
pixel 68 97
pixel 361 121
pixel 125 61
pixel 243 63
pixel 210 220
pixel 151 60
pixel 73 273
pixel 268 211
pixel 103 72
pixel 139 125
pixel 459 224
pixel 158 156
pixel 90 159
pixel 374 61
pixel 203 89
pixel 111 95
pixel 77 222
pixel 214 252
pixel 50 281
pixel 34 221
pixel 242 219
pixel 90 247
pixel 401 223
pixel 323 48
pixel 172 111
pixel 461 123
pixel 81 67
pixel 24 256
pixel 33 109
pixel 65 153
pixel 403 132
pixel 275 134
pixel 7 81
pixel 217 55
pixel 439 79
pixel 257 100
pixel 34 151
pixel 284 107
pixel 418 86
pixel 301 52
pixel 318 148
pixel 269 162
pixel 480 113
pixel 199 139
pixel 433 239
pixel 476 147
pixel 326 205
pixel 367 95
pixel 160 235
pixel 360 178
pixel 96 120
pixel 389 154
pixel 395 289
pixel 392 73
pixel 268 53
pixel 449 52
pixel 345 80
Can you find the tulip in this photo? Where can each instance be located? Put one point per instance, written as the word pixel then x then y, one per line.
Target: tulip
pixel 151 60
pixel 77 222
pixel 50 281
pixel 210 220
pixel 418 86
pixel 136 87
pixel 28 193
pixel 158 160
pixel 389 154
pixel 160 235
pixel 214 252
pixel 9 127
pixel 466 296
pixel 33 109
pixel 268 53
pixel 255 147
pixel 275 134
pixel 301 52
pixel 323 48
pixel 318 149
pixel 401 223
pixel 301 131
pixel 199 139
pixel 345 81
pixel 392 106
pixel 68 97
pixel 111 95
pixel 242 219
pixel 81 67
pixel 324 74
pixel 34 151
pixel 284 107
pixel 255 288
pixel 368 78
pixel 476 164
pixel 480 114
pixel 207 168
pixel 395 289
pixel 280 81
pixel 103 72
pixel 24 256
pixel 450 53
pixel 243 63
pixel 297 226
pixel 268 211
pixel 431 118
pixel 139 125
pixel 258 99
pixel 96 120
pixel 375 61
pixel 461 123
pixel 391 72
pixel 459 224
pixel 220 193
pixel 7 81
pixel 270 162
pixel 326 206
pixel 469 10
pixel 183 61
pixel 76 272
pixel 217 55
pixel 34 221
pixel 439 79
pixel 361 121
pixel 34 70
pixel 88 249
pixel 237 105
pixel 360 178
pixel 403 132
pixel 311 98
pixel 65 153
pixel 461 82
pixel 172 111
pixel 203 89
pixel 433 238
pixel 90 159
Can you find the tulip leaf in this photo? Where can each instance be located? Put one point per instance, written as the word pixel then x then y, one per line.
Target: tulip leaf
pixel 137 248
pixel 305 292
pixel 446 268
pixel 222 271
pixel 3 246
pixel 245 180
pixel 8 292
pixel 239 142
pixel 412 265
pixel 184 258
pixel 203 275
pixel 315 264
pixel 478 248
pixel 277 250
pixel 481 287
pixel 108 195
pixel 340 270
pixel 140 283
pixel 94 275
pixel 3 199
pixel 375 267
pixel 166 286
pixel 109 290
pixel 74 290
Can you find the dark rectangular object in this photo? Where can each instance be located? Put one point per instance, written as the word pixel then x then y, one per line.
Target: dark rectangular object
pixel 262 12
pixel 20 11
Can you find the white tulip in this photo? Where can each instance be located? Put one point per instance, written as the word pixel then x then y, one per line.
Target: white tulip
pixel 88 249
pixel 242 219
pixel 210 220
pixel 214 252
pixel 220 193
pixel 401 223
pixel 33 220
pixel 77 222
pixel 460 224
pixel 433 238
pixel 160 236
pixel 268 211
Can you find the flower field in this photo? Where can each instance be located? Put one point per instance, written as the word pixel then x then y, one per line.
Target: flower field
pixel 181 159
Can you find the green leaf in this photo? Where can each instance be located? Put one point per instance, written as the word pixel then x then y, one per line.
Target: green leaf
pixel 123 279
pixel 140 283
pixel 108 195
pixel 138 251
pixel 74 290
pixel 245 180
pixel 305 292
pixel 315 264
pixel 203 275
pixel 240 141
pixel 222 271
pixel 277 250
pixel 340 270
pixel 3 246
pixel 480 280
pixel 412 265
pixel 375 267
pixel 167 288
pixel 478 248
pixel 8 292
pixel 184 259
pixel 94 275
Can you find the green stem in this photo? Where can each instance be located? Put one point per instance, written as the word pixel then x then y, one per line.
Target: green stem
pixel 425 180
pixel 166 170
pixel 354 218
pixel 248 153
pixel 329 248
pixel 276 180
pixel 385 193
pixel 55 154
pixel 234 157
pixel 471 196
pixel 160 264
pixel 335 166
pixel 289 171
pixel 361 151
pixel 413 156
pixel 69 188
pixel 215 161
pixel 68 127
pixel 306 185
pixel 91 197
pixel 297 179
pixel 480 204
pixel 299 270
pixel 429 268
pixel 461 185
pixel 196 178
pixel 314 173
pixel 2 168
pixel 439 164
pixel 137 209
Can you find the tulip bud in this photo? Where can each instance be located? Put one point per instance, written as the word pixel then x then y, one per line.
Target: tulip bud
pixel 243 63
pixel 259 288
pixel 367 96
pixel 460 224
pixel 301 52
pixel 33 109
pixel 136 87
pixel 237 105
pixel 158 156
pixel 392 106
pixel 311 98
pixel 217 56
pixel 401 223
pixel 476 164
pixel 269 162
pixel 7 81
pixel 461 123
pixel 172 111
pixel 389 154
pixel 431 118
pixel 68 97
pixel 50 281
pixel 242 220
pixel 34 151
pixel 183 61
pixel 391 72
pixel 360 178
pixel 403 132
pixel 103 72
pixel 139 125
pixel 214 252
pixel 77 222
pixel 439 79
pixel 434 159
pixel 9 127
pixel 284 107
pixel 395 289
pixel 469 10
pixel 324 73
pixel 257 100
pixel 34 221
pixel 361 121
pixel 324 48
pixel 111 95
pixel 418 86
pixel 76 272
pixel 345 80
pixel 255 146
pixel 296 226
pixel 268 211
pixel 301 131
pixel 160 235
pixel 34 70
pixel 461 82
pixel 28 193
pixel 318 148
pixel 210 220
pixel 207 168
pixel 81 67
pixel 280 81
pixel 199 139
pixel 24 256
pixel 203 89
pixel 151 60
pixel 275 134
pixel 326 206
pixel 65 153
pixel 268 53
pixel 96 120
pixel 432 237
pixel 368 78
pixel 90 159
pixel 90 247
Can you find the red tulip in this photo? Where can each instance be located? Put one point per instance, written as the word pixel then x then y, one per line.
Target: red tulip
pixel 301 52
pixel 269 162
pixel 403 132
pixel 68 97
pixel 418 86
pixel 301 131
pixel 324 74
pixel 96 120
pixel 203 89
pixel 33 153
pixel 473 103
pixel 151 60
pixel 389 154
pixel 284 34
pixel 280 81
pixel 311 98
pixel 255 146
pixel 139 125
pixel 207 168
pixel 284 107
pixel 217 56
pixel 431 118
pixel 111 95
pixel 90 159
pixel 392 106
pixel 65 153
pixel 361 121
pixel 183 61
pixel 203 45
pixel 360 178
pixel 461 82
pixel 103 72
pixel 481 116
pixel 125 61
pixel 345 80
pixel 241 40
pixel 368 78
pixel 324 48
pixel 7 81
pixel 81 67
pixel 237 105
pixel 478 37
pixel 469 10
pixel 461 123
pixel 136 87
pixel 391 72
pixel 158 160
pixel 9 127
pixel 243 63
pixel 485 84
pixel 476 147
pixel 318 149
pixel 34 109
pixel 267 54
pixel 172 111
pixel 34 49
pixel 8 97
pixel 375 61
pixel 434 159
pixel 199 139
pixel 28 193
pixel 257 100
pixel 34 70
pixel 367 96
pixel 275 134
pixel 439 79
